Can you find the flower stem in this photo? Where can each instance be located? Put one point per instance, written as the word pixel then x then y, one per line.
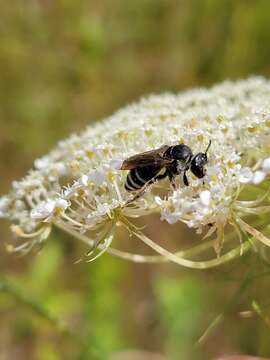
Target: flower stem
pixel 232 254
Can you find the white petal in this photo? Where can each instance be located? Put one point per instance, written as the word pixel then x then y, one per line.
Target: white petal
pixel 266 165
pixel 158 200
pixel 258 177
pixel 115 164
pixel 205 197
pixel 4 205
pixel 84 180
pixel 61 204
pixel 246 176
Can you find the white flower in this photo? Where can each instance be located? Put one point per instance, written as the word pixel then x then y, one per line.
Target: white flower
pixel 258 177
pixel 79 186
pixel 115 164
pixel 47 210
pixel 4 206
pixel 205 197
pixel 266 165
pixel 84 180
pixel 97 176
pixel 246 176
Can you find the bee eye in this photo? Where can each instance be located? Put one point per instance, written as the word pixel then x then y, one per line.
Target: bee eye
pixel 201 159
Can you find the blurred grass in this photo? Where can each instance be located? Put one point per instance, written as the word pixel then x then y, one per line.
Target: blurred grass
pixel 175 313
pixel 63 65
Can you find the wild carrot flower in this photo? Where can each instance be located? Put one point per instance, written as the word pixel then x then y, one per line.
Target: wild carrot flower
pixel 79 188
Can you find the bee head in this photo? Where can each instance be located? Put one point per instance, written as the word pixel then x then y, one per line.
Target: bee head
pixel 198 162
pixel 197 165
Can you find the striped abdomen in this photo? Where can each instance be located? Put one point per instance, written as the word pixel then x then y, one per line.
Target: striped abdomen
pixel 138 177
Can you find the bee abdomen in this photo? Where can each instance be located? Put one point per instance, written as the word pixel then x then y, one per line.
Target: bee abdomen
pixel 137 178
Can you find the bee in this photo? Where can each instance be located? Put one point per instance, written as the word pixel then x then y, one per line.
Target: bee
pixel 167 161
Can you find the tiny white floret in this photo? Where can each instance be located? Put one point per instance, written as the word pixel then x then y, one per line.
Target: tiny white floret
pixel 258 177
pixel 205 197
pixel 266 165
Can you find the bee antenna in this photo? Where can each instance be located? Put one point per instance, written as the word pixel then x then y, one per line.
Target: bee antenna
pixel 208 146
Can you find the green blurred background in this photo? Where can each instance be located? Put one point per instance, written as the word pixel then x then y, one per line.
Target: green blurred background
pixel 63 65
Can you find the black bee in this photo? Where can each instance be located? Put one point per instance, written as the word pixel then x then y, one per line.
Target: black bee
pixel 166 161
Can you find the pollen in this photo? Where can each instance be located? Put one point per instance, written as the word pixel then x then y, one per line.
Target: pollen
pixel 253 129
pixel 267 123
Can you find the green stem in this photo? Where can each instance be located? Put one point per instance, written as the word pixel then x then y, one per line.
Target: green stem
pixel 230 255
pixel 165 255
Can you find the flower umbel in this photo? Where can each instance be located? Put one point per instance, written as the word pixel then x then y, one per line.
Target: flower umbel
pixel 79 188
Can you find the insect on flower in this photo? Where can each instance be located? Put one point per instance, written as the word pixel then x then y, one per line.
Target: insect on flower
pixel 79 189
pixel 166 161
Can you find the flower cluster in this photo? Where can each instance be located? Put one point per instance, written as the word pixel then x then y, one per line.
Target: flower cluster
pixel 79 186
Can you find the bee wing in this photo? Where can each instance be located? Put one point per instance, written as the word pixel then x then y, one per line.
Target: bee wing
pixel 153 157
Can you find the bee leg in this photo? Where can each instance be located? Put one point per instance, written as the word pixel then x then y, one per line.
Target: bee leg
pixel 171 177
pixel 137 196
pixel 185 179
pixel 173 183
